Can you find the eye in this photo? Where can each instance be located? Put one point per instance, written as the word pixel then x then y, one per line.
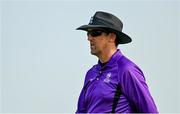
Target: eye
pixel 94 33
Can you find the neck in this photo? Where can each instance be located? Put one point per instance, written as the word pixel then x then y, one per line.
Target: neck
pixel 106 55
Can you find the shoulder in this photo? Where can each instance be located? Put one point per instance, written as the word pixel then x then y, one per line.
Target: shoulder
pixel 128 68
pixel 126 64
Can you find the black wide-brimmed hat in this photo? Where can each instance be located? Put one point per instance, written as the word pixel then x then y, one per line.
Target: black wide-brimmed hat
pixel 107 21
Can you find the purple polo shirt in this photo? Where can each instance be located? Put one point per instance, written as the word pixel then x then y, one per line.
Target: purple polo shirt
pixel 101 82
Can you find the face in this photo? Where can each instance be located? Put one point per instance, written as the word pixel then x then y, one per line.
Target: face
pixel 98 39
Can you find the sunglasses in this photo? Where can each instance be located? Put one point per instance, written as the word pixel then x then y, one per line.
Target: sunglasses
pixel 96 32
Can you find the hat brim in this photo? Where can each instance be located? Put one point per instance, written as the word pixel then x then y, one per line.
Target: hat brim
pixel 122 37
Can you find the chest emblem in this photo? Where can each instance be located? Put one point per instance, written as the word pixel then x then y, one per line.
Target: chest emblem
pixel 107 79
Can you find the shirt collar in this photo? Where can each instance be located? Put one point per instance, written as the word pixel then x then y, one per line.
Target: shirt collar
pixel 112 60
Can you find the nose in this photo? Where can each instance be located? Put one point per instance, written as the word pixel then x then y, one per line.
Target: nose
pixel 90 38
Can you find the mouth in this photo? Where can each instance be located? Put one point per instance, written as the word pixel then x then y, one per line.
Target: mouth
pixel 92 46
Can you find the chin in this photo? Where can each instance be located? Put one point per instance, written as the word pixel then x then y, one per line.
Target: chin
pixel 94 53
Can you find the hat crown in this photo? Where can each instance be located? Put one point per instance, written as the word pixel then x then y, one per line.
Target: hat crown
pixel 107 19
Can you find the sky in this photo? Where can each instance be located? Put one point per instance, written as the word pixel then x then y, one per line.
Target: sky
pixel 44 59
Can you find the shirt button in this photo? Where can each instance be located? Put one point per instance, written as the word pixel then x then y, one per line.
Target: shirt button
pixel 100 72
pixel 97 78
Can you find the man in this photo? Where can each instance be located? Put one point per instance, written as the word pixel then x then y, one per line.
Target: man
pixel 115 84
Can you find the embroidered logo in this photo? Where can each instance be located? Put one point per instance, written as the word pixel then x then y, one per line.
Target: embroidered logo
pixel 91 20
pixel 107 79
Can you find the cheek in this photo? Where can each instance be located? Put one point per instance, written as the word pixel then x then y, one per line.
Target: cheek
pixel 104 43
pixel 101 43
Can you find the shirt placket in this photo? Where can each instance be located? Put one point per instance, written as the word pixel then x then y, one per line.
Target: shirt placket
pixel 100 72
